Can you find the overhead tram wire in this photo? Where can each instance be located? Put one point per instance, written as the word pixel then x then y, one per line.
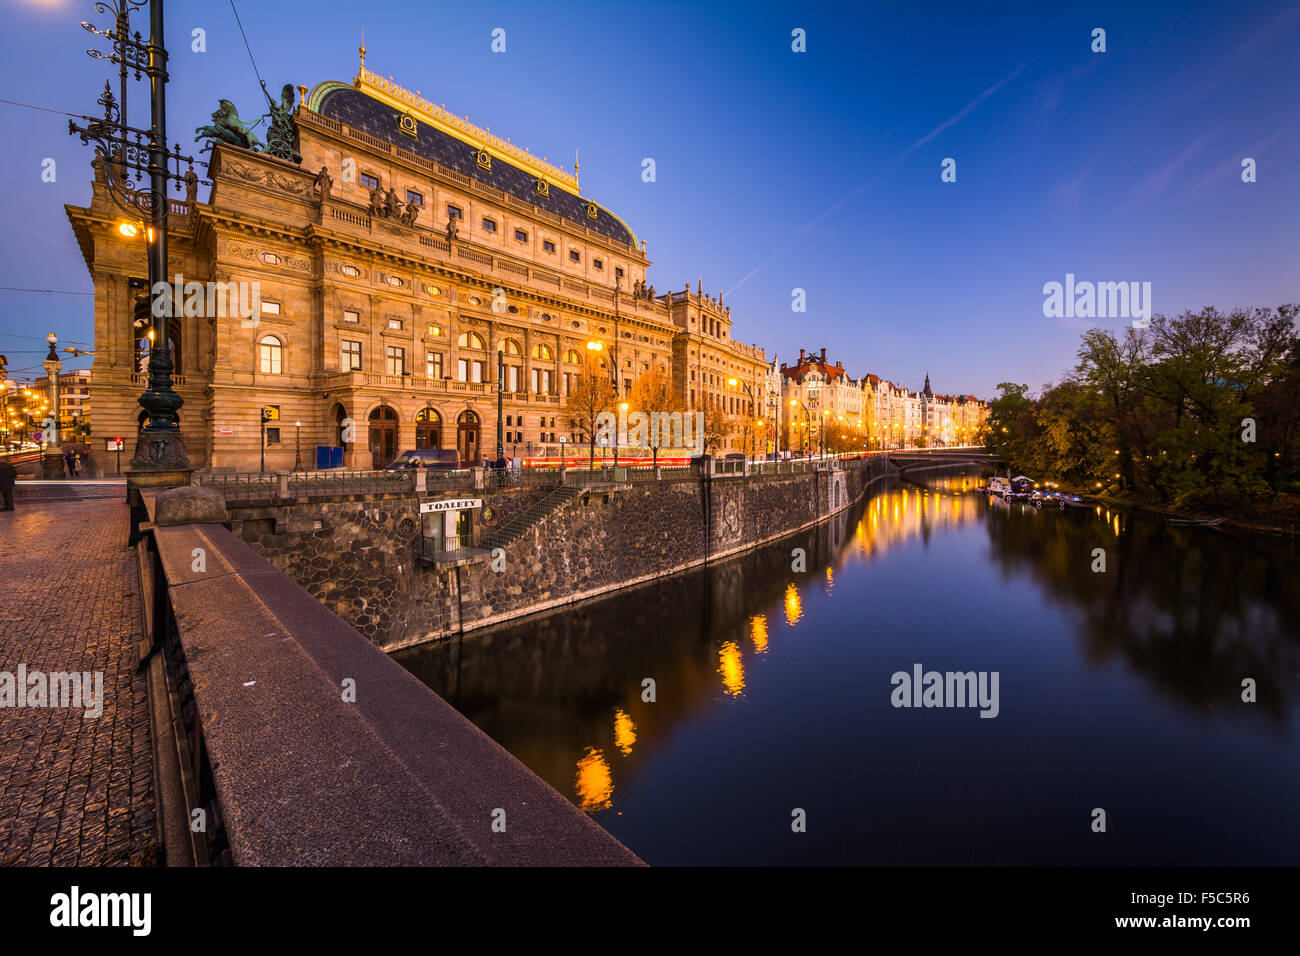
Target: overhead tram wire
pixel 240 24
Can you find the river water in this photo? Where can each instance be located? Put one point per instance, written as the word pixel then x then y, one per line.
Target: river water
pixel 1117 691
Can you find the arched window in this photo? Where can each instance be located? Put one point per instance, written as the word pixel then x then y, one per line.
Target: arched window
pixel 541 351
pixel 271 355
pixel 470 340
pixel 511 347
pixel 572 357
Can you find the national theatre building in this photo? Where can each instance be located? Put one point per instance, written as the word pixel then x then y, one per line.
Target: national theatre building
pixel 391 265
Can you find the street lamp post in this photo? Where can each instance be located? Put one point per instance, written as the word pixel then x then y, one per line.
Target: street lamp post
pixel 750 392
pixel 266 417
pixel 806 416
pixel 501 386
pixel 52 462
pixel 297 443
pixel 160 459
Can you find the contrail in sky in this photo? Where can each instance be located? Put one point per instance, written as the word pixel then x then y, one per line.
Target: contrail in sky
pixel 956 117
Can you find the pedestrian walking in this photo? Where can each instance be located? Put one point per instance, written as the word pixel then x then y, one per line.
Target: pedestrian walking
pixel 67 461
pixel 7 478
pixel 76 462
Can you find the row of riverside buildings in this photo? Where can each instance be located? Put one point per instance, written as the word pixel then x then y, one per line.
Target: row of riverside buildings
pixel 394 264
pixel 823 406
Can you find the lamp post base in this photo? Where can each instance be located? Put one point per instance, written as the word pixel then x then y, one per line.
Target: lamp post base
pixel 160 460
pixel 52 465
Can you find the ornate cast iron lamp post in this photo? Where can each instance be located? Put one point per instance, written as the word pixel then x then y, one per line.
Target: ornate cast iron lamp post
pixel 160 458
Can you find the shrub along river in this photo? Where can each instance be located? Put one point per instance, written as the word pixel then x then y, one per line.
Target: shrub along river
pixel 775 692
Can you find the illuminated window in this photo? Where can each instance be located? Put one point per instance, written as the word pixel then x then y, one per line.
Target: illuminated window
pixel 271 352
pixel 470 340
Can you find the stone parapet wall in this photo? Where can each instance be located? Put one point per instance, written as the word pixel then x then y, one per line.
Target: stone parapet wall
pixel 360 556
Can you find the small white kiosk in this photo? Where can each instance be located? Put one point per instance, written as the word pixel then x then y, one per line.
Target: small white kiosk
pixel 449 522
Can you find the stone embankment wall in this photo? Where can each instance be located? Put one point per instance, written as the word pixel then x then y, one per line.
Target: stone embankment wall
pixel 360 556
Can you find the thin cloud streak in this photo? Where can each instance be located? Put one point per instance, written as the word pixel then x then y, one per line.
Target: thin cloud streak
pixel 857 191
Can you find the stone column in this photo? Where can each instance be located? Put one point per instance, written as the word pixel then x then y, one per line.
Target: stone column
pixel 52 462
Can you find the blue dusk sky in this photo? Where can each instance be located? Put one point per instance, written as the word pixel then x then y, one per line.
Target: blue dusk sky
pixel 776 170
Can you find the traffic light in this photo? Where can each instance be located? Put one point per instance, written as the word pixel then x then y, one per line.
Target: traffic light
pixel 270 413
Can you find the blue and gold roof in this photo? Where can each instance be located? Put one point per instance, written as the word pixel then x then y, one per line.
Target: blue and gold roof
pixel 380 108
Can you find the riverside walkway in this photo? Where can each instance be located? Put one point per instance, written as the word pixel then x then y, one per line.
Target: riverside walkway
pixel 74 790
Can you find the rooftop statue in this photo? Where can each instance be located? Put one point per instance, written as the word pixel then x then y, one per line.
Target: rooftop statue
pixel 226 127
pixel 282 136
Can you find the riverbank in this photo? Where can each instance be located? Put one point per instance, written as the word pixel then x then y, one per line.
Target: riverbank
pixel 1289 511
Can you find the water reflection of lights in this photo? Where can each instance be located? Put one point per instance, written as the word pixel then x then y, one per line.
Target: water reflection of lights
pixel 830 579
pixel 624 732
pixel 594 784
pixel 732 668
pixel 758 632
pixel 793 605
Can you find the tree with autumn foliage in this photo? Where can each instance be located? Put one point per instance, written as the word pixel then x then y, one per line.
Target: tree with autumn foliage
pixel 590 395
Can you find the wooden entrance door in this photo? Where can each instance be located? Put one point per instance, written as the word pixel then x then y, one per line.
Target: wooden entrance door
pixel 383 436
pixel 467 439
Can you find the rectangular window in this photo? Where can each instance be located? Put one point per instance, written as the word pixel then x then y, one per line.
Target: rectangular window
pixel 435 330
pixel 521 236
pixel 453 212
pixel 574 256
pixel 489 225
pixel 396 360
pixel 351 317
pixel 351 356
pixel 548 245
pixel 395 324
pixel 369 182
pixel 618 272
pixel 414 198
pixel 462 370
pixel 270 308
pixel 433 365
pixel 512 378
pixel 597 264
pixel 273 436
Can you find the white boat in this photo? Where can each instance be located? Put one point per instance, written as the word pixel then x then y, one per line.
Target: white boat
pixel 997 485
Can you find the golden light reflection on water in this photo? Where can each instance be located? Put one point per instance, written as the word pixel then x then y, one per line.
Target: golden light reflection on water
pixel 758 632
pixel 732 668
pixel 594 784
pixel 624 732
pixel 793 605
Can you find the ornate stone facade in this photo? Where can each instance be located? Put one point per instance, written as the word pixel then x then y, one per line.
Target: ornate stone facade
pixel 392 265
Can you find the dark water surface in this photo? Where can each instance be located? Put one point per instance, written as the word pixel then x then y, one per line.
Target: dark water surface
pixel 1119 690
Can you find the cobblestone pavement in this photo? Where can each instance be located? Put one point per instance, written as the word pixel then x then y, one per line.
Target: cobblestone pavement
pixel 74 790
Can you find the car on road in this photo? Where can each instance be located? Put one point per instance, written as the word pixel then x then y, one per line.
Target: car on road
pixel 435 459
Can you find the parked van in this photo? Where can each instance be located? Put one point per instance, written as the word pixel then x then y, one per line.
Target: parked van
pixel 436 459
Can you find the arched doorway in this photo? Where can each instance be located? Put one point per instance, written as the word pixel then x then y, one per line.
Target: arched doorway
pixel 383 436
pixel 467 438
pixel 428 429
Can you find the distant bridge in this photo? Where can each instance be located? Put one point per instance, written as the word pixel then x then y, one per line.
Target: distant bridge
pixel 943 457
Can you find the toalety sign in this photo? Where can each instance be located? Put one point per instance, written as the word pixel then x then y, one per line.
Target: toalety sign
pixel 450 504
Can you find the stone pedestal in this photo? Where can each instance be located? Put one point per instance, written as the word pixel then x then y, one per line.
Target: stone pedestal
pixel 52 465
